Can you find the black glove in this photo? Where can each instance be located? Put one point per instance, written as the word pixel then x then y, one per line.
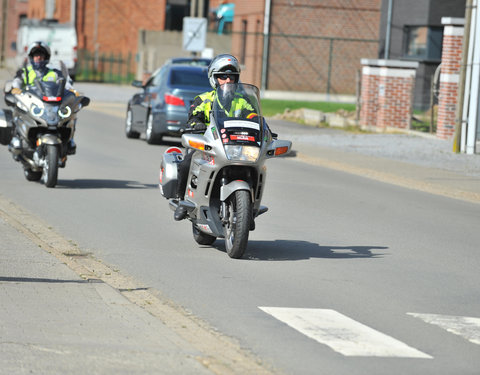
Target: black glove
pixel 200 126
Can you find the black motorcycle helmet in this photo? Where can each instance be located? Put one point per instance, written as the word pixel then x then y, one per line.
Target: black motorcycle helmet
pixel 36 48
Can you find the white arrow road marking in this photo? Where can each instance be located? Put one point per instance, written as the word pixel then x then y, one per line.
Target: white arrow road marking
pixel 467 327
pixel 342 334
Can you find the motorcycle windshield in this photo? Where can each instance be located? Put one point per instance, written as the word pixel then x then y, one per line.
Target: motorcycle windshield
pixel 50 91
pixel 237 114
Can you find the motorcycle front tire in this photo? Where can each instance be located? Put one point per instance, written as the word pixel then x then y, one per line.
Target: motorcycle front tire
pixel 50 170
pixel 237 229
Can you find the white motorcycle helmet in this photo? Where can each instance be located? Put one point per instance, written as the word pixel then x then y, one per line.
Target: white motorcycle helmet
pixel 222 64
pixel 39 47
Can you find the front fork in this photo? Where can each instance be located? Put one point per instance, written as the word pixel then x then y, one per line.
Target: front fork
pixel 224 214
pixel 226 190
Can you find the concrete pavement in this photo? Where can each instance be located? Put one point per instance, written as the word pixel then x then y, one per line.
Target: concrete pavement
pixel 63 311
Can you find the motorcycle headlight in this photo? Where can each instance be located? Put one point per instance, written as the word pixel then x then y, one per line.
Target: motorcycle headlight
pixel 65 112
pixel 242 153
pixel 36 110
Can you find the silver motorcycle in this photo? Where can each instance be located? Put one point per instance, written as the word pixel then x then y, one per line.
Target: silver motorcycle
pixel 42 121
pixel 227 174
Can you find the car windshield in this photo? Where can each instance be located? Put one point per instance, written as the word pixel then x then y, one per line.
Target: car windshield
pixel 194 78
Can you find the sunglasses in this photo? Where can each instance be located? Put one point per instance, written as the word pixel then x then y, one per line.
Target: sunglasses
pixel 225 76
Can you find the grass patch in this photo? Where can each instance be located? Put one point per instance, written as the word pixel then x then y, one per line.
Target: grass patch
pixel 271 107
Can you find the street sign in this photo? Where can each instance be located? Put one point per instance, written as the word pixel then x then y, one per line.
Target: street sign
pixel 194 34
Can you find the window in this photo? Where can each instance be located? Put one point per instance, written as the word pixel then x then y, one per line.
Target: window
pixel 190 78
pixel 423 42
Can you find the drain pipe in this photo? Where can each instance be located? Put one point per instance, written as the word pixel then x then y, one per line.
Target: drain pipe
pixel 386 54
pixel 465 79
pixel 475 87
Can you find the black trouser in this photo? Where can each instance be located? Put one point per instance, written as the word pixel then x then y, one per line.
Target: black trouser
pixel 182 176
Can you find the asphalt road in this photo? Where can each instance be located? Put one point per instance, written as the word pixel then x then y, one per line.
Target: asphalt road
pixel 382 277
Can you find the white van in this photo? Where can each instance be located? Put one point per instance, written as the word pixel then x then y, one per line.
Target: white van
pixel 60 37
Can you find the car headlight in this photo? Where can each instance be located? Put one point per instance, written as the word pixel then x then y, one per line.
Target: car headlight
pixel 36 110
pixel 242 153
pixel 65 112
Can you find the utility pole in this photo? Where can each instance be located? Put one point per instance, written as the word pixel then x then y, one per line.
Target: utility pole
pixel 461 83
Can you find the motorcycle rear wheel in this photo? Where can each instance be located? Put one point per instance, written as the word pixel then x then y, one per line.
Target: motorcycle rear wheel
pixel 202 238
pixel 238 226
pixel 50 170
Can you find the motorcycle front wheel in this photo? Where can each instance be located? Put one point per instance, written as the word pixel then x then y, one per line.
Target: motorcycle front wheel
pixel 237 228
pixel 50 170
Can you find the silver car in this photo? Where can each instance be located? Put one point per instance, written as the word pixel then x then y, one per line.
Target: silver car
pixel 161 109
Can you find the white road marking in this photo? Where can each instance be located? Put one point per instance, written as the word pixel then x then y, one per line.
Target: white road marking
pixel 342 333
pixel 467 327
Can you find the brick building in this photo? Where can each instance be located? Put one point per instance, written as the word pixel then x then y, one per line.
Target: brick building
pixel 313 46
pixel 106 26
pixel 15 11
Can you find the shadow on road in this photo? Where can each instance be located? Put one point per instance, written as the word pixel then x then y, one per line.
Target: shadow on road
pixel 45 280
pixel 299 250
pixel 103 184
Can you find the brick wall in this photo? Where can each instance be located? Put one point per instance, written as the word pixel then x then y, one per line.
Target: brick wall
pixel 118 23
pixel 247 41
pixel 369 97
pixel 36 9
pixel 395 96
pixel 449 77
pixel 301 59
pixel 387 93
pixel 15 8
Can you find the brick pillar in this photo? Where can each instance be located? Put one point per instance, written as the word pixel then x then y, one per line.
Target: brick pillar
pixel 449 76
pixel 369 96
pixel 386 97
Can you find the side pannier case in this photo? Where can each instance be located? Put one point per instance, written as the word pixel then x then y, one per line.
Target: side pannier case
pixel 168 172
pixel 5 126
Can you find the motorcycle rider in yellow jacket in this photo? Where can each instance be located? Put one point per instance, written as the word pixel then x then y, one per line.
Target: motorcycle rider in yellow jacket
pixel 223 69
pixel 39 56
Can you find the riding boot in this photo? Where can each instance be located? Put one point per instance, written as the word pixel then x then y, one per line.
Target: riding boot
pixel 71 147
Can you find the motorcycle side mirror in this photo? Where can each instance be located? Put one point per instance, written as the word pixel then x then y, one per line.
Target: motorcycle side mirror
pixel 278 147
pixel 80 102
pixel 85 101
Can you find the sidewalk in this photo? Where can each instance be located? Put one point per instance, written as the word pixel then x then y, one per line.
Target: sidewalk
pixel 52 321
pixel 64 312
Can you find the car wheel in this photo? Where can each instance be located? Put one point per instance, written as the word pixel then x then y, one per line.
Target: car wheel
pixel 128 126
pixel 151 137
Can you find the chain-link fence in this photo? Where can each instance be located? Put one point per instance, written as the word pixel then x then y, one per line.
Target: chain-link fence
pixel 105 67
pixel 316 63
